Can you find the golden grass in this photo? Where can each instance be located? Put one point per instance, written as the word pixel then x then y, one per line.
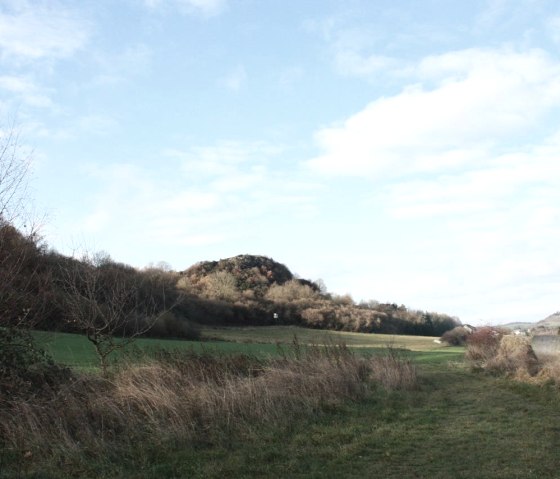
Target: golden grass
pixel 189 396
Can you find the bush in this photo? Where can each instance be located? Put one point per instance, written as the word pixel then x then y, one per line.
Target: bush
pixel 514 356
pixel 456 337
pixel 293 290
pixel 25 369
pixel 483 345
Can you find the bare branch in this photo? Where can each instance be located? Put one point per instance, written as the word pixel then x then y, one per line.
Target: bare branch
pixel 112 304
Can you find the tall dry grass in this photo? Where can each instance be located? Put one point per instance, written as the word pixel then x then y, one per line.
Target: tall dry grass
pixel 185 396
pixel 394 372
pixel 515 357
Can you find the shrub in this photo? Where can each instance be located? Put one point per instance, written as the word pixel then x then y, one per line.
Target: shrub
pixel 514 356
pixel 456 337
pixel 221 285
pixel 550 371
pixel 25 369
pixel 292 290
pixel 483 345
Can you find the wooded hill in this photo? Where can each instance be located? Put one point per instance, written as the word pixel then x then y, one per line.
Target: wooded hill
pixel 47 290
pixel 258 290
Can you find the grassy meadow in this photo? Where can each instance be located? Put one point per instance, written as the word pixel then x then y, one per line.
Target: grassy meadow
pixel 449 423
pixel 76 351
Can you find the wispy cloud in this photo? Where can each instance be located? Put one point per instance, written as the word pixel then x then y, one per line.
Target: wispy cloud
pixel 462 106
pixel 200 197
pixel 118 67
pixel 26 90
pixel 41 30
pixel 464 163
pixel 200 7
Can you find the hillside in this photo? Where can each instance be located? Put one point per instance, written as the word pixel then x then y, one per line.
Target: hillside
pixel 251 273
pixel 239 291
pixel 547 325
pixel 552 321
pixel 256 290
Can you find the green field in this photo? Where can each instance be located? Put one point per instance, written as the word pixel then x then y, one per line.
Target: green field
pixel 76 351
pixel 455 424
pixel 285 334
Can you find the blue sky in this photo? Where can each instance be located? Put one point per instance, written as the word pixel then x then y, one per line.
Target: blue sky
pixel 401 151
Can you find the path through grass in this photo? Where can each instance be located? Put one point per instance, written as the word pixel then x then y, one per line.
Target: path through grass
pixel 457 425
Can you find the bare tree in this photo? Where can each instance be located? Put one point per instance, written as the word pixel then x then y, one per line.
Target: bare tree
pixel 18 234
pixel 111 303
pixel 14 169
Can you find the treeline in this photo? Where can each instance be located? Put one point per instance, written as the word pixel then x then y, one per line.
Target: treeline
pixel 256 290
pixel 50 291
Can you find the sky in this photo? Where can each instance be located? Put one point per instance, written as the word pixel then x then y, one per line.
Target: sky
pixel 401 151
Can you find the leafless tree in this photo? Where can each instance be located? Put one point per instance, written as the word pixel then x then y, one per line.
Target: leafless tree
pixel 112 304
pixel 18 234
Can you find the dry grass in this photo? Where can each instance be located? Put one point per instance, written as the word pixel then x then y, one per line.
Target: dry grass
pixel 549 370
pixel 483 345
pixel 515 357
pixel 394 372
pixel 187 396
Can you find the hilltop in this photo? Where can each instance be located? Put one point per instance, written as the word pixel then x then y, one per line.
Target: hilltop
pixel 256 290
pixel 550 324
pixel 251 273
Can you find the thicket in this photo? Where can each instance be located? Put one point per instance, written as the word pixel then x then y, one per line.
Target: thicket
pixel 51 291
pixel 252 290
pixel 497 351
pixel 186 396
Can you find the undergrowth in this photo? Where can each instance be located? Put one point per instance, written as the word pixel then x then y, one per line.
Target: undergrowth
pixel 185 397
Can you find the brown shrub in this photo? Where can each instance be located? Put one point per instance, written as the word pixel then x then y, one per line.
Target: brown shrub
pixel 550 371
pixel 483 345
pixel 514 356
pixel 292 290
pixel 456 337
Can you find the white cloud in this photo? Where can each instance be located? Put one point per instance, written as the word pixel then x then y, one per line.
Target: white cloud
pixel 464 163
pixel 225 158
pixel 26 90
pixel 202 7
pixel 463 104
pixel 219 196
pixel 44 30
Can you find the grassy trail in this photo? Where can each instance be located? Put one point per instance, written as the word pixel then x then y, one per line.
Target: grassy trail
pixel 457 425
